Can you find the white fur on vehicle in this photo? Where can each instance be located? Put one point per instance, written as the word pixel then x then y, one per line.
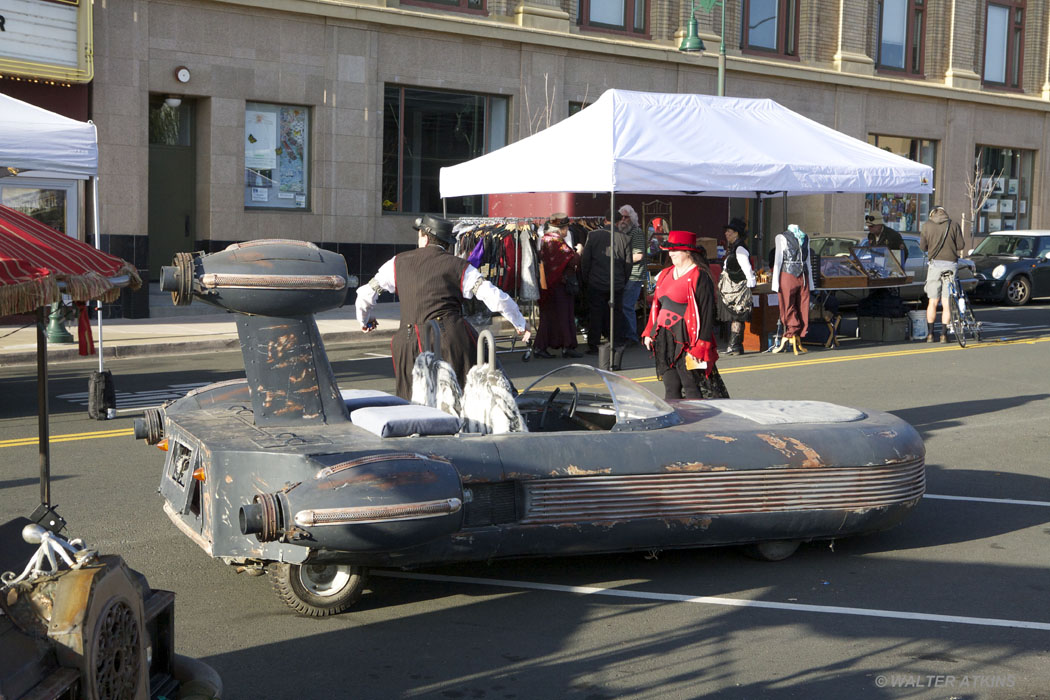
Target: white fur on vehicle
pixel 488 403
pixel 434 384
pixel 489 407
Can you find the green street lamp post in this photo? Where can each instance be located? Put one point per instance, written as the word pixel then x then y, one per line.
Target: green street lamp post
pixel 693 42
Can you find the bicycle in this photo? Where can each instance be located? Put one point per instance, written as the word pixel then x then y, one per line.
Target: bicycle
pixel 962 318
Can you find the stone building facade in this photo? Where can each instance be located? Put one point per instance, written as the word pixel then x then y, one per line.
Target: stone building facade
pixel 329 73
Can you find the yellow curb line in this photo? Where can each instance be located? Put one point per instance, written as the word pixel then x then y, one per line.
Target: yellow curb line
pixel 868 356
pixel 70 437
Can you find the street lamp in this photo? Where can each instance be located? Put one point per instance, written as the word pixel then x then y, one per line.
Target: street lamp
pixel 693 42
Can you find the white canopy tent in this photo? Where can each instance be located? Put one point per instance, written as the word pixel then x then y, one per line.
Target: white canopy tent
pixel 657 143
pixel 669 143
pixel 32 138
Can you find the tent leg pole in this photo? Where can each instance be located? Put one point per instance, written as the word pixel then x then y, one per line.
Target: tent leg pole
pixel 43 431
pixel 98 245
pixel 612 275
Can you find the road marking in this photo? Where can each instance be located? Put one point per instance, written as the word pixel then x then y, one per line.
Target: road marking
pixel 69 437
pixel 977 499
pixel 866 356
pixel 718 600
pixel 139 399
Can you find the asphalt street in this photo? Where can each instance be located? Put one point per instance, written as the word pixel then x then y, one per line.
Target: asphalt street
pixel 952 603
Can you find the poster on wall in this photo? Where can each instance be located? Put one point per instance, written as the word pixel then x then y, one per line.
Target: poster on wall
pixel 990 205
pixel 1006 206
pixel 994 224
pixel 260 140
pixel 1011 186
pixel 290 152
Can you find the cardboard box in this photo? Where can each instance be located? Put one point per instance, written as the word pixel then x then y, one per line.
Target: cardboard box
pixel 883 330
pixel 894 329
pixel 869 327
pixel 710 246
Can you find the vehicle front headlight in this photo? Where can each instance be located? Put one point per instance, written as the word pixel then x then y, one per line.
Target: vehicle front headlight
pixel 999 271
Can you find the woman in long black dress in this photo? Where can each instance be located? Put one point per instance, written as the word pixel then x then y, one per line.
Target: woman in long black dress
pixel 680 331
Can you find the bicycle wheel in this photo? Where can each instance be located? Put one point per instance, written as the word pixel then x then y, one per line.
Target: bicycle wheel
pixel 970 322
pixel 956 322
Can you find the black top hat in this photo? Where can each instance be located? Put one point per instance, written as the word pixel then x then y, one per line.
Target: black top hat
pixel 437 227
pixel 738 225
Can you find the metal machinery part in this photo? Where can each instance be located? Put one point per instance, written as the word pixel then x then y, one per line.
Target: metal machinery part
pixel 182 292
pixel 150 427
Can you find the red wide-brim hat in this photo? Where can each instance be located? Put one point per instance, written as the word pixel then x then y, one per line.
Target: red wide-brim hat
pixel 680 240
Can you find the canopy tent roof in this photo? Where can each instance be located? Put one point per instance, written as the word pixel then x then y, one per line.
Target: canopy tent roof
pixel 32 138
pixel 657 143
pixel 34 258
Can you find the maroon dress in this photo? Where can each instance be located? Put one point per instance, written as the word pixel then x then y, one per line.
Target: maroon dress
pixel 557 319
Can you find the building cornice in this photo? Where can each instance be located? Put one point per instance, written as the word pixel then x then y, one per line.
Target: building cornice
pixel 505 29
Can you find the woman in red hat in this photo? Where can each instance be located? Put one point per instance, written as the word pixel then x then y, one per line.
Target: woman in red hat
pixel 680 331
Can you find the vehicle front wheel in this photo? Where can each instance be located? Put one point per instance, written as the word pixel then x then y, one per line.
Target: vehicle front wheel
pixel 773 550
pixel 1018 291
pixel 317 590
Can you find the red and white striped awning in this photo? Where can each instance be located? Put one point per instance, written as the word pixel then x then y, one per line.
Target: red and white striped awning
pixel 34 258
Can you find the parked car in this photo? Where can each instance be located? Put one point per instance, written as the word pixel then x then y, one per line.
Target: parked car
pixel 916 264
pixel 283 473
pixel 1013 266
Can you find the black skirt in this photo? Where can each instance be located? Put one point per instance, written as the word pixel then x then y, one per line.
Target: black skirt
pixel 669 349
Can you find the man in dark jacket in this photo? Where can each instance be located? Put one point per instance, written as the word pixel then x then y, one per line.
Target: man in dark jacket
pixel 886 236
pixel 594 263
pixel 942 239
pixel 432 284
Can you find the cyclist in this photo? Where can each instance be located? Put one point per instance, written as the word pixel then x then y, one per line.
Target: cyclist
pixel 943 240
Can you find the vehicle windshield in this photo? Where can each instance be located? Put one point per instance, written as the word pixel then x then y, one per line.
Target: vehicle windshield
pixel 594 392
pixel 1021 246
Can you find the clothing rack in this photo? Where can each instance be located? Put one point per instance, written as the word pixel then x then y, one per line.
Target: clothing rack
pixel 529 306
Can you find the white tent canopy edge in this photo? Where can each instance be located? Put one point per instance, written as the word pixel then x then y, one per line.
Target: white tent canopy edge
pixel 667 143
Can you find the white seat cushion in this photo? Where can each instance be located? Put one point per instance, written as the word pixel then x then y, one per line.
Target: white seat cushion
pixel 402 421
pixel 364 398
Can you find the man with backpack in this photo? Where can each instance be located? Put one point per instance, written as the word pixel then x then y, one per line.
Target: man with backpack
pixel 942 239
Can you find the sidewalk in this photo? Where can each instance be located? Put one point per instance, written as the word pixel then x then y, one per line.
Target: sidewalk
pixel 193 330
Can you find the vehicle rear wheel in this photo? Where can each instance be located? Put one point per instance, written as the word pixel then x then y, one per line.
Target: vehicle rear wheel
pixel 317 590
pixel 957 326
pixel 773 550
pixel 1018 291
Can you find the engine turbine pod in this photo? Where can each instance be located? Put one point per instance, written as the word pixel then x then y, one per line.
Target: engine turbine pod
pixel 263 517
pixel 178 279
pixel 150 427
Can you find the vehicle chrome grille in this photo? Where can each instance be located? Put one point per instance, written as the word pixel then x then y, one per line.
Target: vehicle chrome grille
pixel 603 498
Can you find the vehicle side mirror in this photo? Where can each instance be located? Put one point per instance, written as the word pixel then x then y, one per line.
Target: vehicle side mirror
pixel 970 251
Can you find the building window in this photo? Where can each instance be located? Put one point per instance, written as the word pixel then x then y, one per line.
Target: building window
pixel 902 29
pixel 1004 43
pixel 426 130
pixel 471 6
pixel 276 156
pixel 902 211
pixel 1006 173
pixel 51 202
pixel 575 107
pixel 626 16
pixel 770 26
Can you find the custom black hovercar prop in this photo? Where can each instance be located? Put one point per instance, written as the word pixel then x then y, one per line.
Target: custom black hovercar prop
pixel 281 472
